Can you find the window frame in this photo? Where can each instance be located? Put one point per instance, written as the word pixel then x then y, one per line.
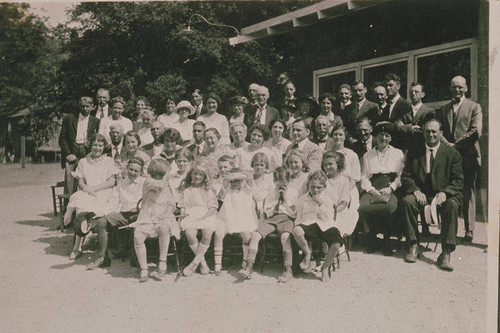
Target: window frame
pixel 412 59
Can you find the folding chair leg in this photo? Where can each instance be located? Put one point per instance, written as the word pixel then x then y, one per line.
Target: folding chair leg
pixel 435 247
pixel 176 254
pixel 263 256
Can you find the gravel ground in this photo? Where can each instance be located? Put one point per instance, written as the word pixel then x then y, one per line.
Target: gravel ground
pixel 42 291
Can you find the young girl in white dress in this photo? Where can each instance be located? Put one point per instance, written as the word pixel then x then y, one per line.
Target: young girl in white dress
pixel 261 182
pixel 96 175
pixel 183 160
pixel 299 170
pixel 198 206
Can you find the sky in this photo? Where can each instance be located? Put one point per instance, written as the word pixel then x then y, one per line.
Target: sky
pixel 54 11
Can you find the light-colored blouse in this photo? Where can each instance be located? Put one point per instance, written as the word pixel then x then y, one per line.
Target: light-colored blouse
pixel 390 160
pixel 219 122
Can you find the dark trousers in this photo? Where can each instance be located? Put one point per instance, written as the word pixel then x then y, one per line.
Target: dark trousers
pixel 410 208
pixel 376 216
pixel 471 170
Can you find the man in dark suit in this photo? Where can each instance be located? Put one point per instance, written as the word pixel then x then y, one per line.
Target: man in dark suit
pixel 310 151
pixel 345 108
pixel 365 140
pixel 462 121
pixel 115 148
pixel 155 148
pixel 397 110
pixel 199 144
pixel 321 137
pixel 363 106
pixel 74 139
pixel 261 113
pixel 433 171
pixel 199 108
pixel 412 124
pixel 102 98
pixel 375 115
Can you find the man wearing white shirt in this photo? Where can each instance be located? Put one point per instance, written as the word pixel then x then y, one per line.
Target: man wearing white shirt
pixel 116 135
pixel 198 136
pixel 102 103
pixel 117 108
pixel 199 108
pixel 433 172
pixel 310 151
pixel 261 113
pixel 365 142
pixel 156 147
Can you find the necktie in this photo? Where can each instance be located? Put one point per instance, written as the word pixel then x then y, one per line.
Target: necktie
pixel 117 153
pixel 258 115
pixel 198 151
pixel 385 113
pixel 431 160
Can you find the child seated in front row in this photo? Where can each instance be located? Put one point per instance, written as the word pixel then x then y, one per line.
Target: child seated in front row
pixel 237 215
pixel 183 159
pixel 198 206
pixel 316 219
pixel 220 184
pixel 278 214
pixel 262 182
pixel 156 217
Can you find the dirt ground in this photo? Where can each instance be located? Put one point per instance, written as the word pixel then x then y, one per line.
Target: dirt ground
pixel 42 291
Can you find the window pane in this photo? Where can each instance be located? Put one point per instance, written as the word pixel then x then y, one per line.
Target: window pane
pixel 373 75
pixel 329 84
pixel 436 71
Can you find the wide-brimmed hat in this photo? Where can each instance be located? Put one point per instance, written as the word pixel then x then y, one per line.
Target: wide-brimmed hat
pixel 384 126
pixel 431 216
pixel 239 100
pixel 306 99
pixel 185 105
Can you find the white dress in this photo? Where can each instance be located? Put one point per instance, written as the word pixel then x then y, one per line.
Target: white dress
pixel 95 172
pixel 299 183
pixel 197 201
pixel 185 129
pixel 219 122
pixel 338 190
pixel 243 158
pixel 238 212
pixel 261 188
pixel 168 120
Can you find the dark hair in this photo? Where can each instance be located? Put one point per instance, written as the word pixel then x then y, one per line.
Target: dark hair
pixel 226 158
pixel 198 91
pixel 392 77
pixel 281 174
pixel 135 135
pixel 136 160
pixel 262 128
pixel 414 84
pixel 215 97
pixel 328 96
pixel 142 98
pixel 384 126
pixel 357 82
pixel 339 127
pixel 199 123
pixel 307 124
pixel 262 156
pixel 277 120
pixel 362 119
pixel 172 135
pixel 237 100
pixel 339 158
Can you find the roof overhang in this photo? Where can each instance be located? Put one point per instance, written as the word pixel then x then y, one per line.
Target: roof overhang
pixel 301 18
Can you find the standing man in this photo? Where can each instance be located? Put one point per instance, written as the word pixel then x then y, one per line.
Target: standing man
pixel 382 107
pixel 363 106
pixel 398 108
pixel 345 108
pixel 252 94
pixel 462 122
pixel 199 108
pixel 74 139
pixel 433 172
pixel 261 113
pixel 310 151
pixel 155 148
pixel 412 123
pixel 102 103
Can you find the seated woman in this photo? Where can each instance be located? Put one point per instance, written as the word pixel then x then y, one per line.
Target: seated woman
pixel 121 209
pixel 243 159
pixel 171 139
pixel 238 134
pixel 131 141
pixel 212 152
pixel 214 119
pixel 96 175
pixel 183 124
pixel 170 116
pixel 338 188
pixel 277 143
pixel 381 176
pixel 316 220
pixel 298 170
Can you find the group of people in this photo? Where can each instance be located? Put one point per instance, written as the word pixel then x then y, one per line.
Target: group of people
pixel 305 171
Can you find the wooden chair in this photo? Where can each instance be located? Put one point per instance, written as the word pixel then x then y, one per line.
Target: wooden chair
pixel 270 247
pixel 55 196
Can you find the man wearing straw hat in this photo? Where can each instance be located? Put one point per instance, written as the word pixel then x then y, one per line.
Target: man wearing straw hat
pixel 433 174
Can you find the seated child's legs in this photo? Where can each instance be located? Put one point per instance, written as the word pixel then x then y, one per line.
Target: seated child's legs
pixel 102 234
pixel 164 240
pixel 220 233
pixel 286 244
pixel 253 247
pixel 299 236
pixel 192 239
pixel 140 248
pixel 245 237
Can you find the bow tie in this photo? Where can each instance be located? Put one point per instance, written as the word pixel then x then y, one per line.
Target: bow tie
pixel 455 101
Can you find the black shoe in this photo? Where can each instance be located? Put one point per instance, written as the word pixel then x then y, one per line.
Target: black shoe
pixel 387 247
pixel 469 236
pixel 413 254
pixel 371 243
pixel 101 262
pixel 444 261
